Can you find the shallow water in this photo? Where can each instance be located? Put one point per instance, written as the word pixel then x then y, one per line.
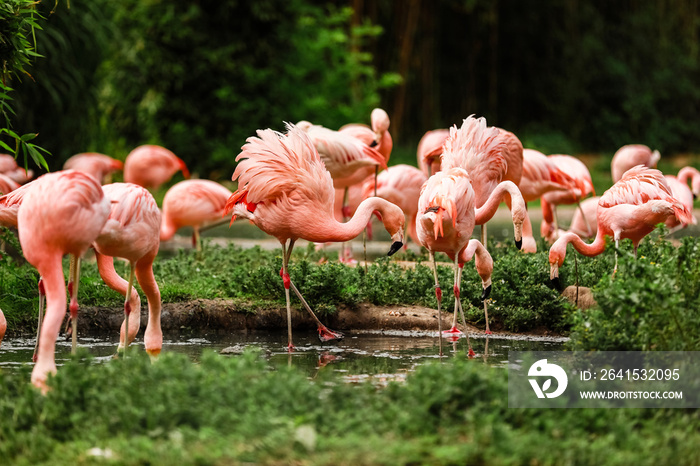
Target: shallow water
pixel 376 356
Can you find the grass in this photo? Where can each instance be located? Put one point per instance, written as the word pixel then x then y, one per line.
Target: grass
pixel 235 410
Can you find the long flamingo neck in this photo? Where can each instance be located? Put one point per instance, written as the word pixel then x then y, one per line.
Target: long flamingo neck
pixel 592 249
pixel 105 266
pixel 687 173
pixel 504 190
pixel 386 144
pixel 338 231
pixel 547 211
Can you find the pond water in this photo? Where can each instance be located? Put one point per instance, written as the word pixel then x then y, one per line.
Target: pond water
pixel 375 356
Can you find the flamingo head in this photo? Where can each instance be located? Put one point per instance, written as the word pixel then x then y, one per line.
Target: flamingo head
pixel 393 219
pixel 557 253
pixel 695 186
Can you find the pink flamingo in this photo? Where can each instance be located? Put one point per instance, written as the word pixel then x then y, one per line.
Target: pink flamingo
pixel 3 326
pixel 61 214
pixel 400 185
pixel 150 166
pixel 95 164
pixel 682 192
pixel 192 203
pixel 691 174
pixel 430 150
pixel 132 232
pixel 486 168
pixel 540 176
pixel 630 156
pixel 631 208
pixel 377 137
pixel 445 224
pixel 7 184
pixel 582 187
pixel 9 167
pixel 348 159
pixel 584 223
pixel 285 189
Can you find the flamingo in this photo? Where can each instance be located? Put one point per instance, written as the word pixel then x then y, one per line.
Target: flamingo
pixel 62 213
pixel 445 224
pixel 464 149
pixel 631 208
pixel 682 192
pixel 285 189
pixel 3 326
pixel 401 185
pixel 430 150
pixel 348 159
pixel 150 166
pixel 95 164
pixel 630 156
pixel 581 188
pixel 691 174
pixel 9 167
pixel 132 232
pixel 192 203
pixel 584 223
pixel 7 184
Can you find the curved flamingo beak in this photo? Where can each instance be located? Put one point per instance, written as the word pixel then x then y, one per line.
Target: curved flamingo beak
pixel 554 275
pixel 486 293
pixel 395 246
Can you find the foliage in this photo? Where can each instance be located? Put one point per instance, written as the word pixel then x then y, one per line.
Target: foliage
pixel 647 304
pixel 233 410
pixel 18 22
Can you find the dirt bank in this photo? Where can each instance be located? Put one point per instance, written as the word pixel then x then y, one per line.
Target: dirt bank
pixel 224 316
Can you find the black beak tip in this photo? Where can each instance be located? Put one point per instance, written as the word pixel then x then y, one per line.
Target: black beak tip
pixel 555 282
pixel 519 244
pixel 395 247
pixel 486 293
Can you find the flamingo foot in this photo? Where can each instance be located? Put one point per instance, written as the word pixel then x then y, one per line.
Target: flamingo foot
pixel 290 347
pixel 326 334
pixel 487 332
pixel 471 353
pixel 347 260
pixel 452 339
pixel 453 331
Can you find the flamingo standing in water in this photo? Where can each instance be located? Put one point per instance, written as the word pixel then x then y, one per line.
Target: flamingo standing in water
pixel 447 209
pixel 285 189
pixel 150 166
pixel 630 156
pixel 93 163
pixel 132 232
pixel 193 203
pixel 631 208
pixel 62 213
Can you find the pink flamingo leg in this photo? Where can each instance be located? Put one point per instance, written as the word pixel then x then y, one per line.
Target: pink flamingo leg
pixel 153 337
pixel 42 299
pixel 105 266
pixel 287 282
pixel 438 296
pixel 454 331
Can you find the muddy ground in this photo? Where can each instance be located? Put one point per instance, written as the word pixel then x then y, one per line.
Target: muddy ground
pixel 224 316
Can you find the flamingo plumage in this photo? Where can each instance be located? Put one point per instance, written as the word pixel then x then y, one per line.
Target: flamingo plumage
pixel 631 208
pixel 285 189
pixel 9 168
pixel 430 150
pixel 193 203
pixel 100 166
pixel 630 156
pixel 62 213
pixel 150 166
pixel 132 232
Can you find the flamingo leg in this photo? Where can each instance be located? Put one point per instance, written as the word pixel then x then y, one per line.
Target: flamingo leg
pixel 324 333
pixel 42 300
pixel 589 231
pixel 127 304
pixel 287 282
pixel 438 296
pixel 344 255
pixel 617 245
pixel 74 282
pixel 461 311
pixel 454 331
pixel 483 234
pixel 196 239
pixel 556 217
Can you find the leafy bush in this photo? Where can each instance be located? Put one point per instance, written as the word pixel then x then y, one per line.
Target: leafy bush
pixel 232 410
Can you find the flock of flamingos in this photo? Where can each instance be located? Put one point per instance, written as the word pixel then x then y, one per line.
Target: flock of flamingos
pixel 306 183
